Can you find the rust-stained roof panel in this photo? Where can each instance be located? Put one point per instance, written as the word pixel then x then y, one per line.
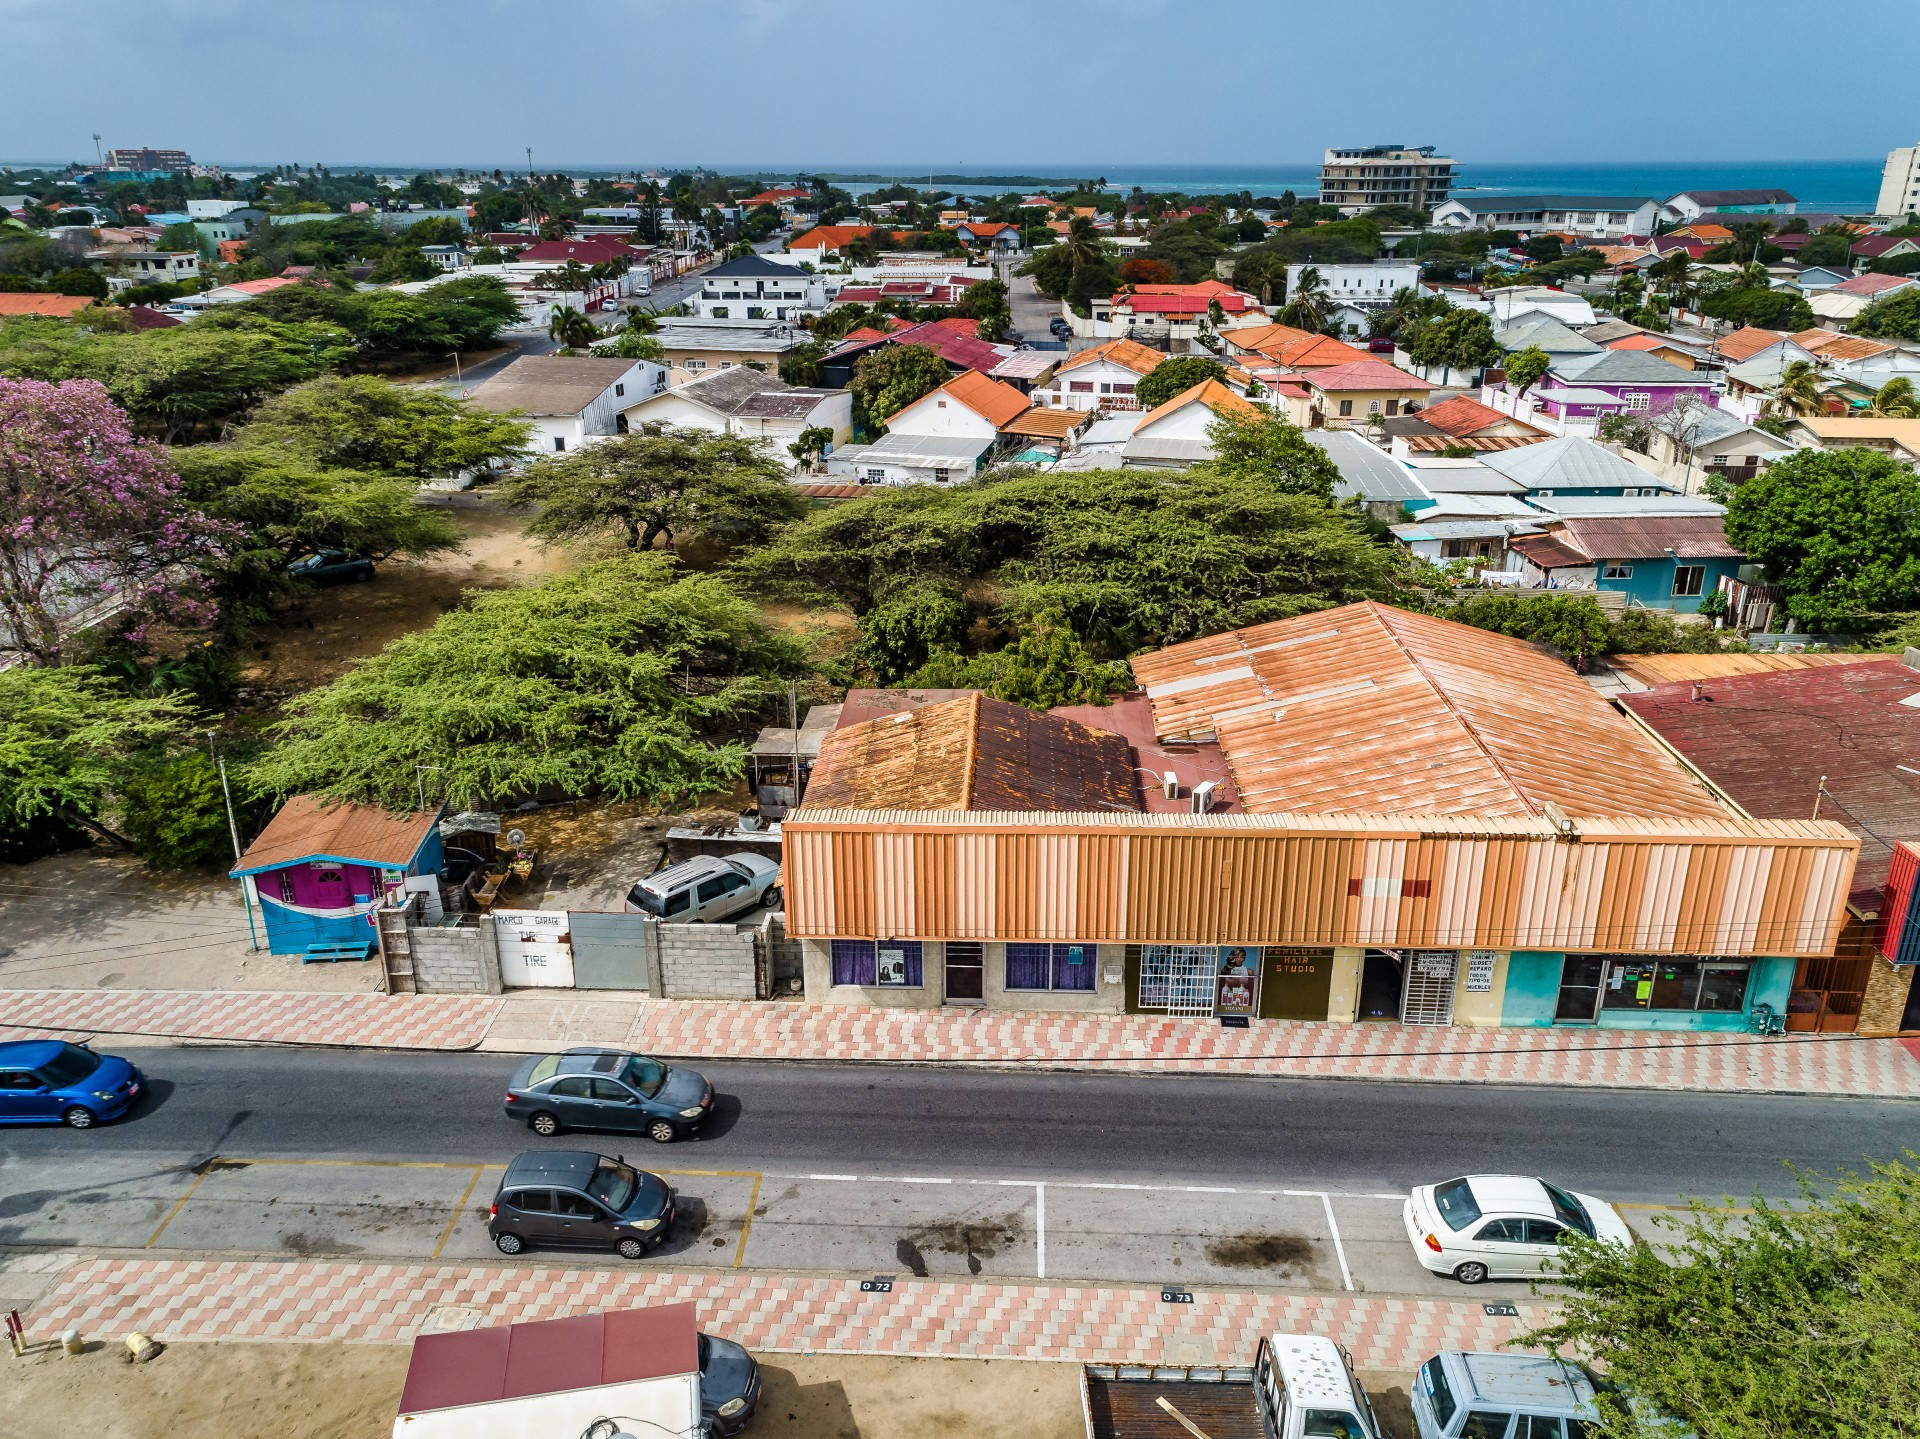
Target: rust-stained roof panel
pixel 1367 708
pixel 309 827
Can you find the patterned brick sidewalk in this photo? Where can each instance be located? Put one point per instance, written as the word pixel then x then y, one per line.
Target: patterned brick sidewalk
pixel 1618 1058
pixel 312 1301
pixel 444 1021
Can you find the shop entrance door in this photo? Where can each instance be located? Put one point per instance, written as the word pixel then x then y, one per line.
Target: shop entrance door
pixel 1430 981
pixel 1179 978
pixel 1383 983
pixel 966 967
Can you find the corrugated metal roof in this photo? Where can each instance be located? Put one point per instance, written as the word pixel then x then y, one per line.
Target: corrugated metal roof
pixel 1367 708
pixel 550 384
pixel 1569 463
pixel 1649 537
pixel 550 1356
pixel 308 827
pixel 1366 470
pixel 1675 669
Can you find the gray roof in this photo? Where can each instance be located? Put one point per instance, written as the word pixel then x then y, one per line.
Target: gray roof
pixel 749 265
pixel 1612 329
pixel 1456 530
pixel 1543 331
pixel 1179 451
pixel 1503 204
pixel 550 384
pixel 1590 507
pixel 760 339
pixel 729 391
pixel 918 451
pixel 1710 424
pixel 1465 477
pixel 1365 470
pixel 1114 430
pixel 1615 367
pixel 784 404
pixel 1567 463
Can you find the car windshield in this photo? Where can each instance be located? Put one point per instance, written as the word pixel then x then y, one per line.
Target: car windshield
pixel 614 1184
pixel 545 1069
pixel 67 1068
pixel 1438 1394
pixel 648 901
pixel 1455 1201
pixel 1331 1424
pixel 1570 1211
pixel 645 1075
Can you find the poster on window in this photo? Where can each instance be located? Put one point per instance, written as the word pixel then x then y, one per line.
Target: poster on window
pixel 892 966
pixel 1238 981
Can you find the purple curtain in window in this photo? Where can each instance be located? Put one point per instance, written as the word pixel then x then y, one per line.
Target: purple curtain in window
pixel 1027 966
pixel 911 951
pixel 853 961
pixel 1067 974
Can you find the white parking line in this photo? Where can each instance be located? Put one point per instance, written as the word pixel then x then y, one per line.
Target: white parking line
pixel 1339 1249
pixel 1040 1231
pixel 835 1178
pixel 910 1179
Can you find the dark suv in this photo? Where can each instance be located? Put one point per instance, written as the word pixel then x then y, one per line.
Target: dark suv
pixel 574 1200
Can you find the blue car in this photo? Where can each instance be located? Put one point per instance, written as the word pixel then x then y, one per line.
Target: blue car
pixel 48 1081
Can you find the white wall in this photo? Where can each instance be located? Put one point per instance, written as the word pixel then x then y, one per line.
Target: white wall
pixel 940 414
pixel 650 1404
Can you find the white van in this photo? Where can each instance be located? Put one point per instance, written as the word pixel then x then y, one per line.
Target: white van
pixel 1306 1389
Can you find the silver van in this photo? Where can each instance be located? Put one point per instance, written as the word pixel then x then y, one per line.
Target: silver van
pixel 1459 1395
pixel 706 887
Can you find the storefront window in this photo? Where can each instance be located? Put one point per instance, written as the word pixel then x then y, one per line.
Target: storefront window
pixel 890 962
pixel 1639 982
pixel 1050 966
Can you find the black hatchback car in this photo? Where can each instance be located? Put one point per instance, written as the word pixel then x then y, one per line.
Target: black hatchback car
pixel 609 1089
pixel 575 1200
pixel 729 1384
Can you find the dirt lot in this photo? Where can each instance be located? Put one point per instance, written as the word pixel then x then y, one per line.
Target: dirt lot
pixel 348 1391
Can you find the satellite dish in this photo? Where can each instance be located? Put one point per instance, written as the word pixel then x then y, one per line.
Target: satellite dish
pixel 516 837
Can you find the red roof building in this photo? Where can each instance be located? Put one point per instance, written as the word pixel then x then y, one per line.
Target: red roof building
pixel 595 251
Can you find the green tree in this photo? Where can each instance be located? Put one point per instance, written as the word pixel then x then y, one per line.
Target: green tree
pixel 1779 1323
pixel 1574 626
pixel 801 365
pixel 571 328
pixel 1756 303
pixel 1525 369
pixel 1051 269
pixel 1892 317
pixel 69 741
pixel 887 380
pixel 1826 250
pixel 1268 449
pixel 178 237
pixel 1896 400
pixel 1175 375
pixel 1251 230
pixel 811 444
pixel 1835 530
pixel 78 281
pixel 1460 340
pixel 658 482
pixel 1049 665
pixel 632 344
pixel 1798 392
pixel 175 813
pixel 611 680
pixel 1308 303
pixel 361 422
pixel 987 303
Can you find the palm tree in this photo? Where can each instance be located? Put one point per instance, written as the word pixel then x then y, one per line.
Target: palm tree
pixel 1798 392
pixel 1754 275
pixel 571 328
pixel 1307 303
pixel 1082 242
pixel 1895 400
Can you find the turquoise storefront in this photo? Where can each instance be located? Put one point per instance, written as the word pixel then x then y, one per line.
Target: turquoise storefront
pixel 1637 991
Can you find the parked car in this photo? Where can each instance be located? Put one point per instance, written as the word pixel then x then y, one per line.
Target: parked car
pixel 707 887
pixel 591 1088
pixel 1305 1388
pixel 565 1199
pixel 48 1081
pixel 729 1384
pixel 1458 1395
pixel 332 567
pixel 1502 1226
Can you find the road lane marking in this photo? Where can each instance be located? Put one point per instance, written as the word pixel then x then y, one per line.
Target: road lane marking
pixel 831 1178
pixel 910 1179
pixel 174 1213
pixel 458 1210
pixel 1203 1189
pixel 740 1250
pixel 1040 1231
pixel 1339 1249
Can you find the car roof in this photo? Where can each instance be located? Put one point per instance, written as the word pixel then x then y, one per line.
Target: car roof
pixel 30 1053
pixel 1528 1381
pixel 587 1060
pixel 698 867
pixel 1313 1369
pixel 1511 1194
pixel 551 1166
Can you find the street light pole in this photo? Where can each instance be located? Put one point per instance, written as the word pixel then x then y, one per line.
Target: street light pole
pixel 233 832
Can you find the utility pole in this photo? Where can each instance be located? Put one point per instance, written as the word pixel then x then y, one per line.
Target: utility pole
pixel 99 154
pixel 233 832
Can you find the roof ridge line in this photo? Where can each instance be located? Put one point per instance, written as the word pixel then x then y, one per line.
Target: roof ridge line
pixel 971 764
pixel 1439 692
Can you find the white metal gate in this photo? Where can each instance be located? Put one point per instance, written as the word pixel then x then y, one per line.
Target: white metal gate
pixel 1429 993
pixel 1178 978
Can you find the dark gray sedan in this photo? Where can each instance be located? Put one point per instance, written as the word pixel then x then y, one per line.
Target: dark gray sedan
pixel 609 1089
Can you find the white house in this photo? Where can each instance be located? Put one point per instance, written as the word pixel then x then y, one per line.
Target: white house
pixel 1691 205
pixel 911 459
pixel 755 288
pixel 147 267
pixel 1102 378
pixel 1374 282
pixel 447 257
pixel 969 406
pixel 1597 217
pixel 743 401
pixel 570 400
pixel 1174 435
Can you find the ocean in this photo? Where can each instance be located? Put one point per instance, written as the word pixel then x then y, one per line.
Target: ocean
pixel 1821 186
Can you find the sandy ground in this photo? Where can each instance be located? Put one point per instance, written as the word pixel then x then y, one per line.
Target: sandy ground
pixel 349 1391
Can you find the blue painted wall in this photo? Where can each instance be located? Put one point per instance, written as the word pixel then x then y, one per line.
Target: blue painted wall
pixel 290 932
pixel 1652 582
pixel 1533 987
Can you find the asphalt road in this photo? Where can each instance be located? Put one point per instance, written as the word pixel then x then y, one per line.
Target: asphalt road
pixel 861 1170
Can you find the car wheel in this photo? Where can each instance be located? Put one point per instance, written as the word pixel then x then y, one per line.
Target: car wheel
pixel 1472 1272
pixel 660 1132
pixel 509 1243
pixel 78 1117
pixel 772 898
pixel 544 1124
pixel 631 1249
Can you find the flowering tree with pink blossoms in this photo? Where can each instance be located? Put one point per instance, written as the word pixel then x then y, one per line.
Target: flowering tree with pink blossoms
pixel 91 521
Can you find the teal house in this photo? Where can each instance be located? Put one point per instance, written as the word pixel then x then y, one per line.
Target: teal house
pixel 1659 562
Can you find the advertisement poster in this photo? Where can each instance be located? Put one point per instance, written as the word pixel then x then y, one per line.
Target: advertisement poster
pixel 1239 971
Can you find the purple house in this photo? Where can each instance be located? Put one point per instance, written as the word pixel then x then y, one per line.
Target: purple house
pixel 1581 390
pixel 319 870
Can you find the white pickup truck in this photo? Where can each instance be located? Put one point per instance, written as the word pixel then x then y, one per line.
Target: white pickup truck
pixel 1300 1386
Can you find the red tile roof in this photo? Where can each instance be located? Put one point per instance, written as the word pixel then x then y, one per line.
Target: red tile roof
pixel 1748 341
pixel 961 325
pixel 1192 300
pixel 993 400
pixel 309 827
pixel 595 251
pixel 773 197
pixel 1365 375
pixel 1211 393
pixel 59 307
pixel 1874 284
pixel 1461 415
pixel 1874 246
pixel 1129 354
pixel 954 349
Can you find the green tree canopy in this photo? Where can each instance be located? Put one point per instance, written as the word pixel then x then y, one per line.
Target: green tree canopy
pixel 1835 530
pixel 888 379
pixel 1048 665
pixel 632 344
pixel 1461 340
pixel 1268 449
pixel 1760 306
pixel 1573 625
pixel 611 680
pixel 1129 558
pixel 1780 1323
pixel 1893 317
pixel 659 481
pixel 361 422
pixel 1175 375
pixel 1525 368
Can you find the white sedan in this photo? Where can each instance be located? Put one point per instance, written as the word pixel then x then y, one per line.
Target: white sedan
pixel 1502 1226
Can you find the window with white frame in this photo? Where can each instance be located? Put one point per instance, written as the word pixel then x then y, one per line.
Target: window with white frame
pixel 1637 399
pixel 1616 572
pixel 1687 580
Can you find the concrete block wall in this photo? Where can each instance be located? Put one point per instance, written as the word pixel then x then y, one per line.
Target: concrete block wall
pixel 455 961
pixel 786 956
pixel 703 961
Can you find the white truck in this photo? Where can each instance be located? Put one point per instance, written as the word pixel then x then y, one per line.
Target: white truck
pixel 1299 1386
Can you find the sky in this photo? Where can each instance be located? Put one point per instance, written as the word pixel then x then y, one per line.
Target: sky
pixel 1016 84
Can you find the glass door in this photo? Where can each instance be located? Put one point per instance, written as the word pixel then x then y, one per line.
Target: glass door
pixel 1580 979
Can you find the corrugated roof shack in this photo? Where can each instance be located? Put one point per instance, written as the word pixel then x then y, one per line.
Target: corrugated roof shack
pixel 1420 821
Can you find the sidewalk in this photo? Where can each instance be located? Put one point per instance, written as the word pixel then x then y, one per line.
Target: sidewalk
pixel 538 1021
pixel 314 1301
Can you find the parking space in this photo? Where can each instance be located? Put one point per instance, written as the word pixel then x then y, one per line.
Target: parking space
pixel 103 1199
pixel 1236 1239
pixel 937 1228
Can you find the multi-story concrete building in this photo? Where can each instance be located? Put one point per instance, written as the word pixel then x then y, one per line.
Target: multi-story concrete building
pixel 1359 179
pixel 1900 182
pixel 143 158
